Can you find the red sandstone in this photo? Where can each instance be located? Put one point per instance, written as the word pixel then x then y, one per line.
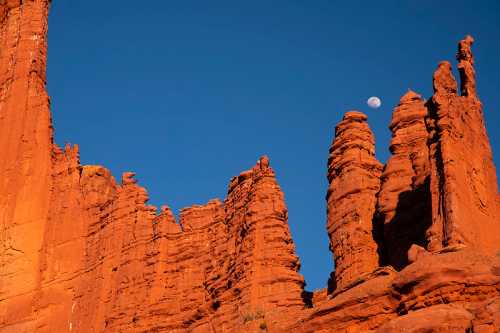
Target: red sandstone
pixel 404 199
pixel 416 245
pixel 354 175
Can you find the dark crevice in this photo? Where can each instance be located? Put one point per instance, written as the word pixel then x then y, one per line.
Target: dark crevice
pixel 307 297
pixel 378 237
pixel 332 283
pixel 438 157
pixel 409 226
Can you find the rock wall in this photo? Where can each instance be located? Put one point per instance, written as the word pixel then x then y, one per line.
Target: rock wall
pixel 416 245
pixel 81 252
pixel 25 146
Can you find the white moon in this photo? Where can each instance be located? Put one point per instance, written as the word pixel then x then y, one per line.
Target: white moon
pixel 374 102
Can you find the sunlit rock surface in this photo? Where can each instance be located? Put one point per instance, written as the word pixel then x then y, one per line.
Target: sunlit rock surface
pixel 416 242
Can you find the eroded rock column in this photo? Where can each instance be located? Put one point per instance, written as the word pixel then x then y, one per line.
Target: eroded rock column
pixel 262 275
pixel 25 162
pixel 463 177
pixel 354 176
pixel 404 202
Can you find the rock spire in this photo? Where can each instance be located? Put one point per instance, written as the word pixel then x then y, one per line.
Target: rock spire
pixel 354 177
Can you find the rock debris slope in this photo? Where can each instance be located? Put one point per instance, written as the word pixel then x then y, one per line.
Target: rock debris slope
pixel 416 242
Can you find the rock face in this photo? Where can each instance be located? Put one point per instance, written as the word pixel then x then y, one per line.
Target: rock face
pixel 463 177
pixel 416 246
pixel 82 252
pixel 435 222
pixel 26 149
pixel 404 201
pixel 354 176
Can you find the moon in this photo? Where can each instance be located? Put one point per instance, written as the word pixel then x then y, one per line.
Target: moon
pixel 374 102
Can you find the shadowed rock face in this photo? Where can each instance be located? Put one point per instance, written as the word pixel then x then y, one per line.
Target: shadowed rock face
pixel 404 201
pixel 416 246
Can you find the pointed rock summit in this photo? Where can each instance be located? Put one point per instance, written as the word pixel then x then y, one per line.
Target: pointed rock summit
pixel 466 67
pixel 463 177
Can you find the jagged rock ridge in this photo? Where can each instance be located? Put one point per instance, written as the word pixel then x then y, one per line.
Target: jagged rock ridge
pixel 416 242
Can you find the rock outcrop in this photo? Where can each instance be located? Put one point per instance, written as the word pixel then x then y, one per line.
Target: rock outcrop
pixel 82 252
pixel 450 292
pixel 436 222
pixel 404 201
pixel 26 148
pixel 416 245
pixel 354 176
pixel 463 177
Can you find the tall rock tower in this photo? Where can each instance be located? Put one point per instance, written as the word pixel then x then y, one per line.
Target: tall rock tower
pixel 354 176
pixel 437 191
pixel 463 177
pixel 404 201
pixel 26 148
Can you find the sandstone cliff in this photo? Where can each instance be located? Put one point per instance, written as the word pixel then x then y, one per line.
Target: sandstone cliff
pixel 82 252
pixel 416 242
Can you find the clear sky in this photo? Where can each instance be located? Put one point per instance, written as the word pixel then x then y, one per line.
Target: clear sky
pixel 190 93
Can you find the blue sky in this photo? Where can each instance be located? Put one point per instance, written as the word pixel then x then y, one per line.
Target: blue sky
pixel 190 93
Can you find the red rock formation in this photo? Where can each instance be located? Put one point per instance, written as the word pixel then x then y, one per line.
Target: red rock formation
pixel 354 176
pixel 450 292
pixel 25 146
pixel 404 200
pixel 227 263
pixel 261 269
pixel 463 176
pixel 450 289
pixel 80 252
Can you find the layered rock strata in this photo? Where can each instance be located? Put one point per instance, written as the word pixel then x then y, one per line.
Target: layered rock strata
pixel 354 176
pixel 404 201
pixel 82 252
pixel 446 292
pixel 463 177
pixel 437 208
pixel 26 148
pixel 416 246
